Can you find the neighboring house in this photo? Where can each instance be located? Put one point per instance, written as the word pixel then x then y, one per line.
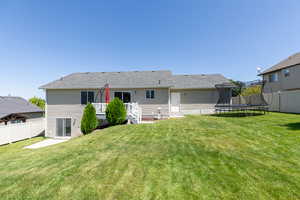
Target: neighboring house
pixel 17 110
pixel 283 76
pixel 156 92
pixel 282 85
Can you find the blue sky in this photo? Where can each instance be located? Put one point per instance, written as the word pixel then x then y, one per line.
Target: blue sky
pixel 41 41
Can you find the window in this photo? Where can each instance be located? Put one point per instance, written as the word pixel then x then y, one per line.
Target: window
pixel 63 127
pixel 273 77
pixel 119 95
pixel 286 72
pixel 124 96
pixel 150 94
pixel 87 97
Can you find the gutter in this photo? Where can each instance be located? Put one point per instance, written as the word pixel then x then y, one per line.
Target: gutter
pixel 268 72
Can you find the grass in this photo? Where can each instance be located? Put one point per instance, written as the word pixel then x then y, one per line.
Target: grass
pixel 198 157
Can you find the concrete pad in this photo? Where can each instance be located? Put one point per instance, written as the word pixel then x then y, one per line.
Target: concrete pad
pixel 147 122
pixel 45 143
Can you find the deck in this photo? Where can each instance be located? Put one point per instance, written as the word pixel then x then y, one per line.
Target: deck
pixel 134 111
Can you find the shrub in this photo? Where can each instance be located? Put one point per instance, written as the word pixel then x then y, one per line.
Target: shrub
pixel 251 91
pixel 89 119
pixel 115 112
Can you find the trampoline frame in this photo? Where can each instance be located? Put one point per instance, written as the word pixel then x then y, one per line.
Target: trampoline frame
pixel 220 107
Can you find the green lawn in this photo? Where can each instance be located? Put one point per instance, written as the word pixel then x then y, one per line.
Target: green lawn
pixel 198 157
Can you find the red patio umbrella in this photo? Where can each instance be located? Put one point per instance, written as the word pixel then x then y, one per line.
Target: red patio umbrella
pixel 107 93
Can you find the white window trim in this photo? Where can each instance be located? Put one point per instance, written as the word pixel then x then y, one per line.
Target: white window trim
pixel 63 123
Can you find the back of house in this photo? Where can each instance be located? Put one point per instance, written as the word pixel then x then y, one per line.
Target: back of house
pixel 159 94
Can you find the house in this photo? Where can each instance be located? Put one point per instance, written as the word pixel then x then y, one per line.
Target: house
pixel 283 76
pixel 158 93
pixel 282 85
pixel 17 110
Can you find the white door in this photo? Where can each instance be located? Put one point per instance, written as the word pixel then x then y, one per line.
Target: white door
pixel 175 101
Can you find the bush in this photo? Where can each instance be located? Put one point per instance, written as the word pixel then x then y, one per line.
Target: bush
pixel 89 119
pixel 251 91
pixel 115 112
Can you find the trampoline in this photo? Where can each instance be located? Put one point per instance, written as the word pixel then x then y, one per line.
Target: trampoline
pixel 247 105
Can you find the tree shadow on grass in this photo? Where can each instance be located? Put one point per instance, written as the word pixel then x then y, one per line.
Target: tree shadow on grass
pixel 293 126
pixel 238 114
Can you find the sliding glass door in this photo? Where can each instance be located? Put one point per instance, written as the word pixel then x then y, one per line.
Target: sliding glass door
pixel 63 127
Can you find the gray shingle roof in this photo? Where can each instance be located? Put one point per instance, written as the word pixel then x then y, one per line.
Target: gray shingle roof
pixel 204 81
pixel 12 105
pixel 136 79
pixel 131 79
pixel 290 61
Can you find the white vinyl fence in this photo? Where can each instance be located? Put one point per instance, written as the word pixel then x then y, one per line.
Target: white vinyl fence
pixel 285 101
pixel 20 131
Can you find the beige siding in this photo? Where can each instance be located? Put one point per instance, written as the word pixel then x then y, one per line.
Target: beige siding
pixel 149 106
pixel 284 83
pixel 74 112
pixel 200 101
pixel 63 104
pixel 67 104
pixel 292 81
pixel 272 87
pixel 66 97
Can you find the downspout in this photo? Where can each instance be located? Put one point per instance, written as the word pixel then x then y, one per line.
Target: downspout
pixel 279 100
pixel 46 114
pixel 169 101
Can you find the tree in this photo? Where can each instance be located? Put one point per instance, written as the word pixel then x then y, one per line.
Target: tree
pixel 116 112
pixel 89 120
pixel 238 89
pixel 251 90
pixel 38 102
